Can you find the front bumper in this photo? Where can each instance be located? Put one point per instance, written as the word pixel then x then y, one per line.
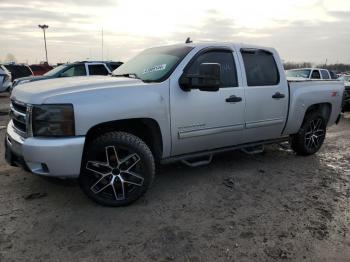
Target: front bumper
pixel 56 157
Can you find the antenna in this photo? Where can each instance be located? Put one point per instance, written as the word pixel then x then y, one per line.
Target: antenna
pixel 188 40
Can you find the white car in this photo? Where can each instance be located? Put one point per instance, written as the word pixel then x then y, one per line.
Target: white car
pixel 309 73
pixel 346 102
pixel 83 68
pixel 5 79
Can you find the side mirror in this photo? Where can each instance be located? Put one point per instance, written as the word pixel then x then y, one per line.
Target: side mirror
pixel 208 78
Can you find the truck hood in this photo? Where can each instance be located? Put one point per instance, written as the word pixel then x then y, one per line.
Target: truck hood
pixel 38 91
pixel 32 78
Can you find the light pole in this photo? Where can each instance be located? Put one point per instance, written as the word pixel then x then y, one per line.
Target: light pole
pixel 44 27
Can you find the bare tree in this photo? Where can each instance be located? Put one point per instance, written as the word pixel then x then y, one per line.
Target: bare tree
pixel 10 58
pixel 333 67
pixel 291 65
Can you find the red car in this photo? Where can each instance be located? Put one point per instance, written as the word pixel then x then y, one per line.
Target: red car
pixel 40 69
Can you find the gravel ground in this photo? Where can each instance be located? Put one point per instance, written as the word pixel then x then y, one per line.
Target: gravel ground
pixel 267 207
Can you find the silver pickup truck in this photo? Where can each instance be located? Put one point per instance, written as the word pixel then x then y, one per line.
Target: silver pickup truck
pixel 174 103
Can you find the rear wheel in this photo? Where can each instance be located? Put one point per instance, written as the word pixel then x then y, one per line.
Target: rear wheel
pixel 117 170
pixel 311 135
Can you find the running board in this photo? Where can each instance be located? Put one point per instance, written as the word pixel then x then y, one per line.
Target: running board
pixel 220 150
pixel 200 162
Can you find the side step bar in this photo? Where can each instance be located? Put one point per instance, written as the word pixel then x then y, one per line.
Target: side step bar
pixel 253 150
pixel 207 153
pixel 198 162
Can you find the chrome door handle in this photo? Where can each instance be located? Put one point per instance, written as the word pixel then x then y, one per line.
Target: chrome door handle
pixel 233 99
pixel 278 95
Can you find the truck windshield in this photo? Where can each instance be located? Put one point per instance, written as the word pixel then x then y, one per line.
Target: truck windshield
pixel 304 73
pixel 54 71
pixel 345 78
pixel 155 64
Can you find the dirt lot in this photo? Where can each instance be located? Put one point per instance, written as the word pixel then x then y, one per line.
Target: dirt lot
pixel 268 207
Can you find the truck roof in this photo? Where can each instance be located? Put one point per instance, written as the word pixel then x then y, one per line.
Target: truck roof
pixel 226 44
pixel 308 68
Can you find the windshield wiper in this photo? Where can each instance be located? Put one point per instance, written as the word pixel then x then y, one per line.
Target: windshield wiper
pixel 135 76
pixel 129 75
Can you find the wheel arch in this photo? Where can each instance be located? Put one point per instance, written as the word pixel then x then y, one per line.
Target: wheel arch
pixel 146 129
pixel 299 112
pixel 324 108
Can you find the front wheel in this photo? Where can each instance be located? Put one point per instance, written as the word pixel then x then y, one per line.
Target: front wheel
pixel 311 135
pixel 117 169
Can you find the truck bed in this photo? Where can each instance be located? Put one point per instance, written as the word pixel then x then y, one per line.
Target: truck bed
pixel 304 93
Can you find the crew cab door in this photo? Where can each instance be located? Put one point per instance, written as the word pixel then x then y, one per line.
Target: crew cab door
pixel 266 92
pixel 202 120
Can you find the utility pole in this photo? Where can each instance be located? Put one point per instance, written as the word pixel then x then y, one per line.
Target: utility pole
pixel 44 27
pixel 102 43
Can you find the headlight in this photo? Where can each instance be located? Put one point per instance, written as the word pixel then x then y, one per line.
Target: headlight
pixel 53 120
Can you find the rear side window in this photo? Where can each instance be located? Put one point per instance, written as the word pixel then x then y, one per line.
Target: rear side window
pixel 36 68
pixel 113 66
pixel 333 75
pixel 315 75
pixel 98 70
pixel 225 59
pixel 260 67
pixel 324 74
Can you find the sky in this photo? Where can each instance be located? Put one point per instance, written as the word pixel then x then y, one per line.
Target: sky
pixel 301 30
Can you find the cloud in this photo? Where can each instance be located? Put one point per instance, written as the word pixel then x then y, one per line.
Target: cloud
pixel 312 31
pixel 65 2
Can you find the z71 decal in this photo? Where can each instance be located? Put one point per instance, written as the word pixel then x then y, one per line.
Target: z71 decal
pixel 154 69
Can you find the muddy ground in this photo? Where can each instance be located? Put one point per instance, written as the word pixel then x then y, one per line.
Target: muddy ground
pixel 267 207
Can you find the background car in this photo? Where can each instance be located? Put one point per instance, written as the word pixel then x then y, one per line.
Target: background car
pixel 18 70
pixel 346 102
pixel 83 68
pixel 40 69
pixel 310 73
pixel 5 79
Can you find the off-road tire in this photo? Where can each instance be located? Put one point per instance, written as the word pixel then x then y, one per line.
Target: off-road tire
pixel 304 143
pixel 98 160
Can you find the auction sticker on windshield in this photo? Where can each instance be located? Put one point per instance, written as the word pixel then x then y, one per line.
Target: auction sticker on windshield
pixel 154 69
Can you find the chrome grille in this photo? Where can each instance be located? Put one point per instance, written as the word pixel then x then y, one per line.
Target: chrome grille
pixel 18 115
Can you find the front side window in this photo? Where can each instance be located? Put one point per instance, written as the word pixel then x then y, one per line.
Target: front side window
pixel 155 64
pixel 325 74
pixel 98 70
pixel 260 67
pixel 315 75
pixel 225 59
pixel 75 70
